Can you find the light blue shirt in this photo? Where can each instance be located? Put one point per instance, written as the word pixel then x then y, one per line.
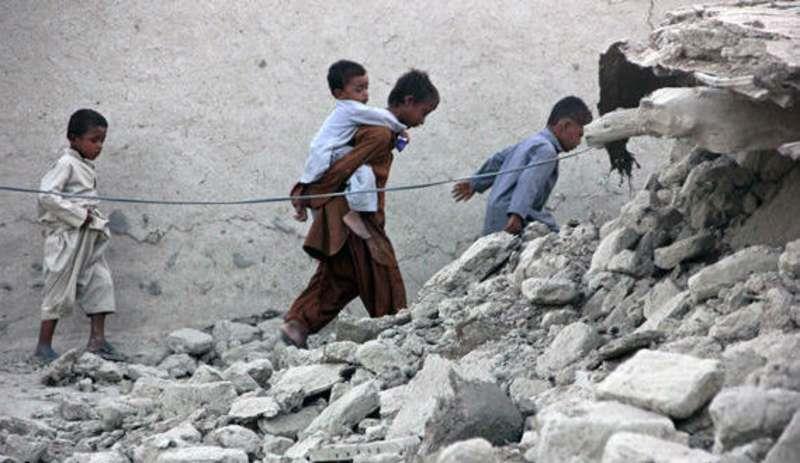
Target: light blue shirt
pixel 523 192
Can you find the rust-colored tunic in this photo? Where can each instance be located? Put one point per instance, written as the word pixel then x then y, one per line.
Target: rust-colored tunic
pixel 347 267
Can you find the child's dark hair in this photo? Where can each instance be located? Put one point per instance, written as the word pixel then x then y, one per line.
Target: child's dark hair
pixel 570 107
pixel 341 72
pixel 415 83
pixel 82 120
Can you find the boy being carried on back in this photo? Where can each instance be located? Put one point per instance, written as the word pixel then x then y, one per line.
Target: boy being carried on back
pixel 349 84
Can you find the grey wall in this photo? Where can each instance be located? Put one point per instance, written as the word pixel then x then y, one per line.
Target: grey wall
pixel 211 99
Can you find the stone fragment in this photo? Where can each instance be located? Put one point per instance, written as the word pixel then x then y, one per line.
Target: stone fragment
pixel 448 407
pixel 578 431
pixel 468 451
pixel 667 316
pixel 616 241
pixel 339 352
pixel 361 330
pixel 789 260
pixel 742 414
pixel 275 445
pixel 673 384
pixel 255 350
pixel 252 408
pixel 92 366
pixel 72 409
pixel 661 292
pixel 475 264
pixel 629 343
pixel 668 257
pixel 228 334
pixel 235 437
pixel 630 447
pixel 182 435
pixel 550 291
pixel 340 452
pixel 203 454
pixel 346 412
pixel 241 379
pixel 787 449
pixel 311 379
pixel 149 387
pixel 522 392
pixel 178 365
pixel 97 457
pixel 741 325
pixel 570 345
pixel 24 448
pixel 136 371
pixel 392 400
pixel 558 317
pixel 290 425
pixel 206 374
pixel 189 341
pixel 185 398
pixel 736 267
pixel 382 358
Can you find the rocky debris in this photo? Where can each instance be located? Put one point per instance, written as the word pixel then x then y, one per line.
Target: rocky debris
pixel 185 398
pixel 571 344
pixel 189 341
pixel 673 384
pixel 630 447
pixel 478 262
pixel 736 267
pixel 665 334
pixel 347 411
pixel 203 454
pixel 743 414
pixel 787 448
pixel 251 408
pixel 579 431
pixel 550 291
pixel 468 451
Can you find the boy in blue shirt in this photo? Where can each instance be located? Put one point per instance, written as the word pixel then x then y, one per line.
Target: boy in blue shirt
pixel 519 197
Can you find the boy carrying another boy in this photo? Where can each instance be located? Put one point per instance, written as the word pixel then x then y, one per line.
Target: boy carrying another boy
pixel 519 197
pixel 75 267
pixel 349 84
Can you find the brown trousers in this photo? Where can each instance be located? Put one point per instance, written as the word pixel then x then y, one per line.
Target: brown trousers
pixel 340 278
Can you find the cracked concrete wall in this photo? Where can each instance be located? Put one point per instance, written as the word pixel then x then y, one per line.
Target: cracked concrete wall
pixel 212 100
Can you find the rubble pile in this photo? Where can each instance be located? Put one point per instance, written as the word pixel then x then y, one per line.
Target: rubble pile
pixel 656 337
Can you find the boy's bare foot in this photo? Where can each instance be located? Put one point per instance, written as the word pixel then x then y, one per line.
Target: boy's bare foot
pixel 294 334
pixel 106 351
pixel 356 224
pixel 44 354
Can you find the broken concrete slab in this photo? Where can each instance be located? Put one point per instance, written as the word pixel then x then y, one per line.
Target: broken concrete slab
pixel 311 379
pixel 672 384
pixel 570 345
pixel 361 330
pixel 347 411
pixel 736 267
pixel 189 341
pixel 578 431
pixel 745 413
pixel 475 264
pixel 253 408
pixel 468 451
pixel 185 398
pixel 616 241
pixel 203 454
pixel 292 424
pixel 550 291
pixel 178 365
pixel 787 448
pixel 472 407
pixel 235 437
pixel 631 447
pixel 668 257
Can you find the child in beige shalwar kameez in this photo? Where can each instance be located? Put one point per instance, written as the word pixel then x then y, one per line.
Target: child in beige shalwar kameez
pixel 75 267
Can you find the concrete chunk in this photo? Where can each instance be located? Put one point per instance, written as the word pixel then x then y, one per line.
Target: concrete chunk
pixel 737 267
pixel 578 432
pixel 189 341
pixel 673 384
pixel 570 345
pixel 347 411
pixel 629 447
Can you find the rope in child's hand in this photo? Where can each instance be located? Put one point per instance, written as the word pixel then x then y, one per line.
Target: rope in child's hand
pixel 276 199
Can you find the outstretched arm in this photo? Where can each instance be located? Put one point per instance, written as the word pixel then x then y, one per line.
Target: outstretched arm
pixel 493 164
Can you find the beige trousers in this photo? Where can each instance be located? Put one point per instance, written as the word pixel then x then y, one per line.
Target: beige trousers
pixel 76 272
